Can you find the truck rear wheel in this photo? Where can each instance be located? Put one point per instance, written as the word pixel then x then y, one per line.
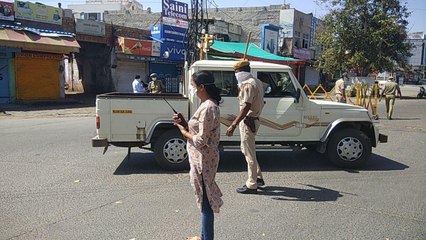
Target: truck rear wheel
pixel 170 151
pixel 349 148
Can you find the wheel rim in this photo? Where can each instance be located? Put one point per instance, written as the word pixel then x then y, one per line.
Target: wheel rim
pixel 174 151
pixel 349 149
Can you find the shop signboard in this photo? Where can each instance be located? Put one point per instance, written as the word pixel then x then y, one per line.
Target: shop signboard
pixel 38 12
pixel 90 27
pixel 174 9
pixel 7 11
pixel 175 51
pixel 134 46
pixel 300 53
pixel 175 22
pixel 169 33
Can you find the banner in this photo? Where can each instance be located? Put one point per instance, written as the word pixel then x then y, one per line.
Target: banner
pixel 7 11
pixel 169 33
pixel 174 9
pixel 269 39
pixel 38 12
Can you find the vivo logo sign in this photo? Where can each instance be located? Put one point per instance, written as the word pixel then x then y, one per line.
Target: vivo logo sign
pixel 174 9
pixel 176 51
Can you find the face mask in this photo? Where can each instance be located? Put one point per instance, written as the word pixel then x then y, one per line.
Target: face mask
pixel 153 79
pixel 241 77
pixel 193 92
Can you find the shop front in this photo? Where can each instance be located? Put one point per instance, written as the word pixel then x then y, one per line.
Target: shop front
pixel 7 74
pixel 38 74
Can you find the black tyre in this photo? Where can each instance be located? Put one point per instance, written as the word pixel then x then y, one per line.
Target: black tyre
pixel 349 148
pixel 170 151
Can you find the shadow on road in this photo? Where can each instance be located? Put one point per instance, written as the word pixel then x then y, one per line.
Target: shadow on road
pixel 317 194
pixel 270 161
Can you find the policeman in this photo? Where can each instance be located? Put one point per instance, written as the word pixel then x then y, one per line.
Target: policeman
pixel 389 91
pixel 155 86
pixel 251 104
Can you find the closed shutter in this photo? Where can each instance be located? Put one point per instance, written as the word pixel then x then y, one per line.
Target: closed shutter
pixel 37 78
pixel 125 73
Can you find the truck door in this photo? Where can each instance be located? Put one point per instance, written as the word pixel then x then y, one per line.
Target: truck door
pixel 281 116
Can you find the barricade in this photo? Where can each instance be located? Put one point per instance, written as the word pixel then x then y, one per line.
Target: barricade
pixel 319 87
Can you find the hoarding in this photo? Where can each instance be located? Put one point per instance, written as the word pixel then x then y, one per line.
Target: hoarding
pixel 136 47
pixel 269 39
pixel 38 12
pixel 7 11
pixel 174 9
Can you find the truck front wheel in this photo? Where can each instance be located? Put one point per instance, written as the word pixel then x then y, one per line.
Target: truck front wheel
pixel 349 148
pixel 170 151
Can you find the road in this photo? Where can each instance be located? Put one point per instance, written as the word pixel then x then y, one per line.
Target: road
pixel 54 185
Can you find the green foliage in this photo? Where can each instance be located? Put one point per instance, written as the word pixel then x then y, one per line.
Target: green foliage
pixel 364 35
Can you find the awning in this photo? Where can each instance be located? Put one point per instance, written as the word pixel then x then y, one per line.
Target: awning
pixel 33 42
pixel 230 49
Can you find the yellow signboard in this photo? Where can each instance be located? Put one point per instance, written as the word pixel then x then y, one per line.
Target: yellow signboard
pixel 38 12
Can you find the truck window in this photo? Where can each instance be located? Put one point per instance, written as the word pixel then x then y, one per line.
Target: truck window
pixel 226 81
pixel 280 83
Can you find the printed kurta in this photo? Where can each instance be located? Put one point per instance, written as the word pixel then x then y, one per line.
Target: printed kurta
pixel 203 153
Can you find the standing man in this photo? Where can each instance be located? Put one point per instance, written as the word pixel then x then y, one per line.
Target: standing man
pixel 138 85
pixel 155 86
pixel 339 88
pixel 251 104
pixel 389 91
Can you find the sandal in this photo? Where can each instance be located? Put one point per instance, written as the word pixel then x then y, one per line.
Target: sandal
pixel 193 238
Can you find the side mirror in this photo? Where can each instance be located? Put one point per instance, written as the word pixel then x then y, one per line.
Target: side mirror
pixel 297 97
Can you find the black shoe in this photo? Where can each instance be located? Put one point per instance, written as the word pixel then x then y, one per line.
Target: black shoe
pixel 246 190
pixel 260 182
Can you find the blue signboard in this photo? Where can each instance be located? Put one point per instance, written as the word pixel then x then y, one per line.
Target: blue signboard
pixel 270 34
pixel 169 33
pixel 174 9
pixel 176 51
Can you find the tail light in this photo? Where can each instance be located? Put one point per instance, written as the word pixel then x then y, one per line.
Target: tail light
pixel 98 122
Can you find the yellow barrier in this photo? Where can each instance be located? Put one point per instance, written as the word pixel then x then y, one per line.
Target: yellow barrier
pixel 319 87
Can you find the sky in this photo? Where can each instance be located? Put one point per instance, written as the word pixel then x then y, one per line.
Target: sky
pixel 416 7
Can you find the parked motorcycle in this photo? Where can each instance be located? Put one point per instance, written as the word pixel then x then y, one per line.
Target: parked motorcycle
pixel 421 93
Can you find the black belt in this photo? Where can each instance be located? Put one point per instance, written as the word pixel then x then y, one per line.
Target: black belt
pixel 254 118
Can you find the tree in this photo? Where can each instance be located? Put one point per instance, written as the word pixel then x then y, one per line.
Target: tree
pixel 364 35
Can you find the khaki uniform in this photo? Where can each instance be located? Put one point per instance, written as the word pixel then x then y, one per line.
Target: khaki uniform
pixel 156 86
pixel 390 91
pixel 339 89
pixel 251 92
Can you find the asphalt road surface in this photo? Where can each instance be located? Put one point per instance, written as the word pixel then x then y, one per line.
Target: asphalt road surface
pixel 54 185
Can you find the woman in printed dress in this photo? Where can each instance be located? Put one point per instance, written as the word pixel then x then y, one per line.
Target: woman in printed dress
pixel 202 132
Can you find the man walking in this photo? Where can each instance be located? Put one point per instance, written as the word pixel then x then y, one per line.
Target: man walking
pixel 389 91
pixel 251 104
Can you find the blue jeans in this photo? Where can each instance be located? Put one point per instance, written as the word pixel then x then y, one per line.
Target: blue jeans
pixel 207 218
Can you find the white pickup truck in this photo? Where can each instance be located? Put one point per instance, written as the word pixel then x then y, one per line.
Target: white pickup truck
pixel 346 133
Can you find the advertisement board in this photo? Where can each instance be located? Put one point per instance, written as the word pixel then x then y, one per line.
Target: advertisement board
pixel 7 11
pixel 174 9
pixel 175 22
pixel 301 53
pixel 38 12
pixel 176 51
pixel 169 33
pixel 269 39
pixel 134 46
pixel 90 27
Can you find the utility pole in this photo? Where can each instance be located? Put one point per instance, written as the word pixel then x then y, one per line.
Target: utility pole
pixel 196 26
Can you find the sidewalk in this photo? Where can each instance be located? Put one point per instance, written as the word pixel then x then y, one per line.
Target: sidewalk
pixel 73 105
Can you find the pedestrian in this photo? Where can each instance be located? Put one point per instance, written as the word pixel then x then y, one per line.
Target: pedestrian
pixel 137 85
pixel 389 91
pixel 339 88
pixel 251 104
pixel 202 132
pixel 155 86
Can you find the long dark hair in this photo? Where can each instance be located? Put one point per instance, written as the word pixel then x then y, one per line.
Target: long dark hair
pixel 206 78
